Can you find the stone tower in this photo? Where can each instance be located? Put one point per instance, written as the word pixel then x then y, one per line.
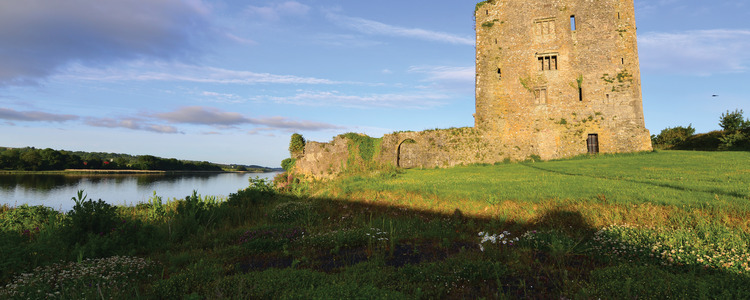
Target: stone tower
pixel 558 78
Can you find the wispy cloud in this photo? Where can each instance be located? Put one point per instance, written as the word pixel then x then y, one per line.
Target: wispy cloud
pixel 131 123
pixel 179 72
pixel 222 97
pixel 34 116
pixel 445 73
pixel 276 11
pixel 203 116
pixel 377 28
pixel 200 115
pixel 700 52
pixel 39 37
pixel 414 100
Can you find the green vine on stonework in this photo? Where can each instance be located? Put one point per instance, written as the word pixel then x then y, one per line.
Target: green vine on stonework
pixel 366 146
pixel 624 76
pixel 579 80
pixel 489 24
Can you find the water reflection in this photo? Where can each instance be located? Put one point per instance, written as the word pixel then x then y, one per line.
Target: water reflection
pixel 56 190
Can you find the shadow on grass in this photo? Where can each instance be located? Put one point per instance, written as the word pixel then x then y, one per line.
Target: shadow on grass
pixel 269 245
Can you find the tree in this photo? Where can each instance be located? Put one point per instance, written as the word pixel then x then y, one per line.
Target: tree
pixel 670 137
pixel 296 145
pixel 10 159
pixel 736 134
pixel 31 160
pixel 732 121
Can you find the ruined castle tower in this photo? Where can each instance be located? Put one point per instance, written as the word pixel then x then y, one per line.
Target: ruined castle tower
pixel 558 78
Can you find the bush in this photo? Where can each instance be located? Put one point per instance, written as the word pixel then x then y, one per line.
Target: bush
pixel 672 137
pixel 26 219
pixel 259 190
pixel 288 164
pixel 732 121
pixel 296 145
pixel 701 142
pixel 736 131
pixel 89 218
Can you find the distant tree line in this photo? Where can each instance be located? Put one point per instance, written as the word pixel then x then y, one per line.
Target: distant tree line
pixel 735 135
pixel 32 159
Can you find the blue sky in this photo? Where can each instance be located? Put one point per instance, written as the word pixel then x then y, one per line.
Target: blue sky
pixel 230 81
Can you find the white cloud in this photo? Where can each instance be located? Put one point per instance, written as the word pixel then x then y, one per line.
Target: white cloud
pixel 335 98
pixel 33 116
pixel 699 52
pixel 445 73
pixel 200 115
pixel 37 37
pixel 378 28
pixel 130 123
pixel 162 71
pixel 276 11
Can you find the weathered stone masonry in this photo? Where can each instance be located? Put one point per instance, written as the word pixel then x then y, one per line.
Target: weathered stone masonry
pixel 554 79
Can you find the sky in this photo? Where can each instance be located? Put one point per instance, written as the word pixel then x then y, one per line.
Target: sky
pixel 230 81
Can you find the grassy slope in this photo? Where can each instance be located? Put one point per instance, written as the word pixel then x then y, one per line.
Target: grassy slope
pixel 551 230
pixel 707 182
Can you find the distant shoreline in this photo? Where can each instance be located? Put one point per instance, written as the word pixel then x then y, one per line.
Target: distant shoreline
pixel 105 171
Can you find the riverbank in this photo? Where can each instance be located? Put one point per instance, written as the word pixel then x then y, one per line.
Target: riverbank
pixel 104 171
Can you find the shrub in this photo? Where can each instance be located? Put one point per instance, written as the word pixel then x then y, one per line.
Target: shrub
pixel 735 140
pixel 26 219
pixel 288 164
pixel 671 137
pixel 701 142
pixel 733 121
pixel 736 131
pixel 89 218
pixel 296 145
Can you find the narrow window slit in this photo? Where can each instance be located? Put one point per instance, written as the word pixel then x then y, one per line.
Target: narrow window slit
pixel 573 23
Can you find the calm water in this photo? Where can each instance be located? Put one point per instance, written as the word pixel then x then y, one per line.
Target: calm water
pixel 56 190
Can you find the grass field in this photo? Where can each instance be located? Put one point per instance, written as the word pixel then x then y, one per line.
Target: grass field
pixel 667 224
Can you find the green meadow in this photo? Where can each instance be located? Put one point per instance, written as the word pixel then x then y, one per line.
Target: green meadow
pixel 667 224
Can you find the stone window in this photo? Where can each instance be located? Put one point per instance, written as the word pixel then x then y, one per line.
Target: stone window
pixel 499 73
pixel 580 94
pixel 544 27
pixel 540 95
pixel 573 23
pixel 547 62
pixel 592 143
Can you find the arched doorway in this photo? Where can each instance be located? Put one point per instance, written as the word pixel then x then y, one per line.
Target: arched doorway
pixel 406 154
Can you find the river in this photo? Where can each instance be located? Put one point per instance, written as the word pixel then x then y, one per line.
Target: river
pixel 56 191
